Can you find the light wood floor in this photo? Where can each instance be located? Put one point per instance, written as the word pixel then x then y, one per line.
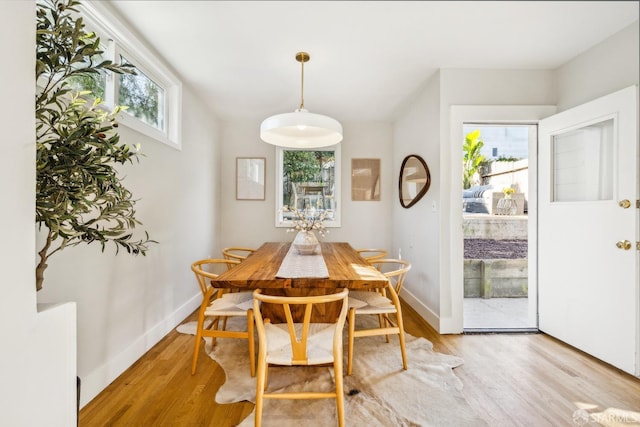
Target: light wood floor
pixel 509 380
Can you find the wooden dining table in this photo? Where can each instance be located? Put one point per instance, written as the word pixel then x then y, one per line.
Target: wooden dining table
pixel 346 268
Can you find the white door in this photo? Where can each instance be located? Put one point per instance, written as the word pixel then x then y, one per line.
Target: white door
pixel 588 274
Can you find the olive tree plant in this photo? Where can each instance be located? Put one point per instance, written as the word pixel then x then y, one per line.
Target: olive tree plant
pixel 80 197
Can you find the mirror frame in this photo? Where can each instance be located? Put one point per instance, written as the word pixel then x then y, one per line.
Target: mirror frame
pixel 424 189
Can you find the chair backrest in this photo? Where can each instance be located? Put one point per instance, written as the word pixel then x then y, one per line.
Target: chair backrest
pixel 371 255
pixel 238 253
pixel 299 329
pixel 207 269
pixel 395 270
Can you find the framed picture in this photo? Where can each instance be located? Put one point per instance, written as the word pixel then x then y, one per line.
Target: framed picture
pixel 250 174
pixel 365 179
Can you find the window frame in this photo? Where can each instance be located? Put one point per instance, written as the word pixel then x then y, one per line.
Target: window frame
pixel 130 120
pixel 280 222
pixel 119 40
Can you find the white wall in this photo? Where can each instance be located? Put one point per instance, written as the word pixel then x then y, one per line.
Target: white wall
pixel 416 230
pixel 605 68
pixel 125 303
pixel 250 223
pixel 38 348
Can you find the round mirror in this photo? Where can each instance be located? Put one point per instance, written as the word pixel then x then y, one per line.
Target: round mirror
pixel 414 180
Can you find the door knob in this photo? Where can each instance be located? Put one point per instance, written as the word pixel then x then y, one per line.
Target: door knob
pixel 624 244
pixel 624 204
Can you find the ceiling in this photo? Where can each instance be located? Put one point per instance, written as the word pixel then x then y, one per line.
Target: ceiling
pixel 367 57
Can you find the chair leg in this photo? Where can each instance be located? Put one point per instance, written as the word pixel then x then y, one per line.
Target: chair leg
pixel 196 349
pixel 260 386
pixel 337 373
pixel 214 327
pixel 252 354
pixel 383 324
pixel 401 336
pixel 352 331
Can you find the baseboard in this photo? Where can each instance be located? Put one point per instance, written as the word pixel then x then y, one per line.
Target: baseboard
pixel 100 378
pixel 425 312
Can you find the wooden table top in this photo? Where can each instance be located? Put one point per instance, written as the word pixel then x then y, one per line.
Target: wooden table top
pixel 347 269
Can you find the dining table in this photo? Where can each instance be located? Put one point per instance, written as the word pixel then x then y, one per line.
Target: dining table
pixel 272 268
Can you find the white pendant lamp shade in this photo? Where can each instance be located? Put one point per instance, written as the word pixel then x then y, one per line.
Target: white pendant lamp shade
pixel 301 129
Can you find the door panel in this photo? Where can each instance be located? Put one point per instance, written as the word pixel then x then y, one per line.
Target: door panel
pixel 588 287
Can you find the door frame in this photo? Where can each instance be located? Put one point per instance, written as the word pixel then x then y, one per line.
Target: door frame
pixel 452 291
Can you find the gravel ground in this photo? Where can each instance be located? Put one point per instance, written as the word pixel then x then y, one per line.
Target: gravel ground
pixel 495 249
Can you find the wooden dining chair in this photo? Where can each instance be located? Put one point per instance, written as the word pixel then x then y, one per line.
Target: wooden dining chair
pixel 238 253
pixel 382 303
pixel 296 343
pixel 218 305
pixel 371 255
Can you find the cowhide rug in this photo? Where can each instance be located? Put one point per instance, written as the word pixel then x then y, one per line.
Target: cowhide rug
pixel 379 393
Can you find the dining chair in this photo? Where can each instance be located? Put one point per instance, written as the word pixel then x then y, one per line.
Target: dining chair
pixel 219 304
pixel 238 253
pixel 296 343
pixel 383 303
pixel 372 254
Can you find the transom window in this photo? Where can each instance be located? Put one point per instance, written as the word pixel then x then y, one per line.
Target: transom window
pixel 96 83
pixel 309 181
pixel 152 96
pixel 143 97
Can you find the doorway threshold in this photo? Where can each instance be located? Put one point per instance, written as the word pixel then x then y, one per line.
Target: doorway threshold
pixel 478 331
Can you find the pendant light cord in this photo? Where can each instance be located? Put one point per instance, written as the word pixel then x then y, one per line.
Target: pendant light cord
pixel 302 87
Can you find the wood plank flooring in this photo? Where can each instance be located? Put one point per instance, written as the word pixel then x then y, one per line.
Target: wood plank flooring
pixel 509 380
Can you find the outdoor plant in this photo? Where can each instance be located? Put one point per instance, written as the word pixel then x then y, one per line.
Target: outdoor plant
pixel 302 166
pixel 80 197
pixel 508 191
pixel 472 159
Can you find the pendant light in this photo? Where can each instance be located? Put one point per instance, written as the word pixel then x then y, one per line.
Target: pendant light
pixel 301 129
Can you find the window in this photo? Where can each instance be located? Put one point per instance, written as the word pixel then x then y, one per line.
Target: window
pixel 308 180
pixel 143 97
pixel 583 168
pixel 96 83
pixel 152 96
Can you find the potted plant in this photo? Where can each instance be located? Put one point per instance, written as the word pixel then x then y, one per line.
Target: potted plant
pixel 80 197
pixel 508 191
pixel 506 205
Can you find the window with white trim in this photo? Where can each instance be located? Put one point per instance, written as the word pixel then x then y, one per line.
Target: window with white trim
pixel 143 97
pixel 153 95
pixel 309 181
